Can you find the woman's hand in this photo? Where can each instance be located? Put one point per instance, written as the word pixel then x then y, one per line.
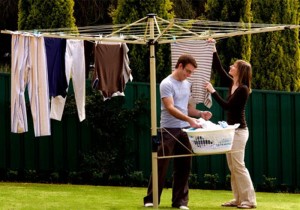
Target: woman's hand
pixel 211 40
pixel 209 87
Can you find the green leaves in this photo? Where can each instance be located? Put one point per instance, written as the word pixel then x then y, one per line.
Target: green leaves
pixel 46 14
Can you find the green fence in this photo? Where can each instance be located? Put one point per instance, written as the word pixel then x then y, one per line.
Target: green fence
pixel 273 149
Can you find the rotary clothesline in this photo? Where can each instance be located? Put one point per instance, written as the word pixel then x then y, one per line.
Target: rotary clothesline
pixel 165 31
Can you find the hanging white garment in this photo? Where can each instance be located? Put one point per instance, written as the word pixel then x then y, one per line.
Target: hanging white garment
pixel 29 69
pixel 126 69
pixel 75 69
pixel 202 51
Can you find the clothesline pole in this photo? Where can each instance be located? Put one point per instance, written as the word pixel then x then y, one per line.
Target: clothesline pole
pixel 153 111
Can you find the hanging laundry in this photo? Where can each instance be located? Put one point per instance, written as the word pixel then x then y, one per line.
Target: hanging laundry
pixel 207 100
pixel 29 69
pixel 126 69
pixel 112 70
pixel 202 51
pixel 55 51
pixel 88 56
pixel 75 69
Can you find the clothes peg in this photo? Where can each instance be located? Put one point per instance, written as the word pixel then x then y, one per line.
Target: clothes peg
pixel 174 38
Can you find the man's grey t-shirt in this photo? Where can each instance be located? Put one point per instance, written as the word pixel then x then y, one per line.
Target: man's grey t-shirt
pixel 180 91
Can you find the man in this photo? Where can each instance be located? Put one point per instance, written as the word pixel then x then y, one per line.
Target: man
pixel 176 113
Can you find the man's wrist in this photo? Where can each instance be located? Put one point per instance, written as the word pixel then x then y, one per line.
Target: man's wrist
pixel 200 113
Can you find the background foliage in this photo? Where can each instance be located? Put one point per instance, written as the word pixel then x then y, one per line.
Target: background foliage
pixel 273 55
pixel 46 14
pixel 129 11
pixel 233 48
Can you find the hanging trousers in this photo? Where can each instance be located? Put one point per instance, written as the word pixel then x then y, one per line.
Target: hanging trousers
pixel 29 69
pixel 75 69
pixel 241 183
pixel 55 53
pixel 181 167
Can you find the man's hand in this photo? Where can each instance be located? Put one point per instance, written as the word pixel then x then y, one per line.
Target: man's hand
pixel 194 123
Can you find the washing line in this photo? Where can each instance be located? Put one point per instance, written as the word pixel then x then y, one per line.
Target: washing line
pixel 165 31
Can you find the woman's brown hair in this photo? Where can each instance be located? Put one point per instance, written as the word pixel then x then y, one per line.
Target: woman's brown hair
pixel 245 73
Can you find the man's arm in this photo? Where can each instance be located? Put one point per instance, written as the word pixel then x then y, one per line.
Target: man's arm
pixel 192 111
pixel 169 105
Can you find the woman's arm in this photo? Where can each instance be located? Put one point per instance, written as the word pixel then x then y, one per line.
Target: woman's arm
pixel 218 66
pixel 237 100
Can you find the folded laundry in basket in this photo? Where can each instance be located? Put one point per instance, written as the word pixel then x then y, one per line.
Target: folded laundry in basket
pixel 223 124
pixel 212 140
pixel 206 124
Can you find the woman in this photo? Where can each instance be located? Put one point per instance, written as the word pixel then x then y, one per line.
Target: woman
pixel 239 77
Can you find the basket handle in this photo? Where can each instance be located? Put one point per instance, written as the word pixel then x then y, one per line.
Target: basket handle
pixel 236 125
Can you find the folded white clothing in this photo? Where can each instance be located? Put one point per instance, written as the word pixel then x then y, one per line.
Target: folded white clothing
pixel 206 124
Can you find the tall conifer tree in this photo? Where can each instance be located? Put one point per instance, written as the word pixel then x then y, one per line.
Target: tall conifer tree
pixel 40 14
pixel 230 49
pixel 275 55
pixel 183 9
pixel 129 11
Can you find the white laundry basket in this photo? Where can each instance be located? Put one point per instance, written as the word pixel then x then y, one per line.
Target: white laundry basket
pixel 211 141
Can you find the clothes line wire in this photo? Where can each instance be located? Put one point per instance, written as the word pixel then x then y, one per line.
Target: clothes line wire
pixel 165 31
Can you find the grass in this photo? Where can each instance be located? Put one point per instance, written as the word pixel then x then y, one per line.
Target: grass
pixel 29 196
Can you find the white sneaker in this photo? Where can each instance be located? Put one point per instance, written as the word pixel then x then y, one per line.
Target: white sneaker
pixel 184 207
pixel 148 205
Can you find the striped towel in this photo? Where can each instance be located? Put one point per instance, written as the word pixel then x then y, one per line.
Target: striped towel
pixel 207 100
pixel 202 51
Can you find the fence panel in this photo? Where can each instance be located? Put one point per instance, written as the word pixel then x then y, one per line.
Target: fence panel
pixel 297 139
pixel 273 148
pixel 258 140
pixel 272 135
pixel 287 140
pixel 4 90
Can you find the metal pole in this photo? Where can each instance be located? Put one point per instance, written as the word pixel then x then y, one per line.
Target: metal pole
pixel 153 111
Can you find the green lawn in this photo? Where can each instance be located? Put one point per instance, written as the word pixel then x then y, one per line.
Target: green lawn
pixel 16 196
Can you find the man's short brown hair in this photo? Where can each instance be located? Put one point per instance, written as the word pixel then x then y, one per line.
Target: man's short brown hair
pixel 186 59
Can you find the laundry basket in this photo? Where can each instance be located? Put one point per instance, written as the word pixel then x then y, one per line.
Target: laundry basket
pixel 211 141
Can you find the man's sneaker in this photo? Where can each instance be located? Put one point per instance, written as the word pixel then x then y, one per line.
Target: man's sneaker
pixel 184 207
pixel 148 205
